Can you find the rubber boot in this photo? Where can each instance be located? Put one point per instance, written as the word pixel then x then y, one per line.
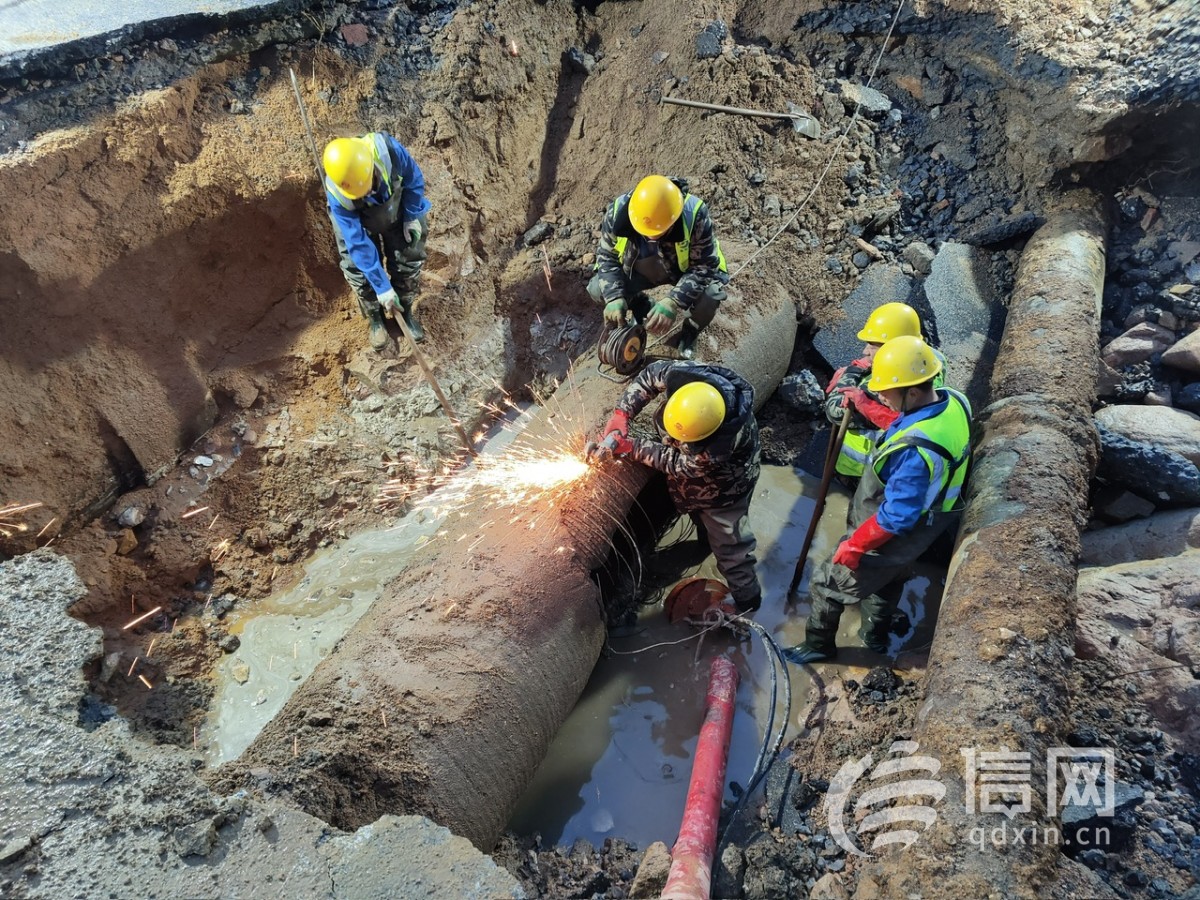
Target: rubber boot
pixel 818 646
pixel 410 319
pixel 378 334
pixel 686 343
pixel 874 634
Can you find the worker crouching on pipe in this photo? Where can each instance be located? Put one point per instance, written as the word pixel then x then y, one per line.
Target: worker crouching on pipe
pixel 376 195
pixel 660 234
pixel 909 495
pixel 709 451
pixel 848 394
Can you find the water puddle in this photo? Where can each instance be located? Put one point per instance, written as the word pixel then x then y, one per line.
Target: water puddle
pixel 620 765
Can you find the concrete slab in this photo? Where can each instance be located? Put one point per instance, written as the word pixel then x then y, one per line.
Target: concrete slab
pixel 881 283
pixel 38 34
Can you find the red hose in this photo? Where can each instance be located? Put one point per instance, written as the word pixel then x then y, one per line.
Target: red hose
pixel 692 856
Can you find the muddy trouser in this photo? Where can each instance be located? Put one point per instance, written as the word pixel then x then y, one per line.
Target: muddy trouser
pixel 403 261
pixel 701 314
pixel 733 544
pixel 832 586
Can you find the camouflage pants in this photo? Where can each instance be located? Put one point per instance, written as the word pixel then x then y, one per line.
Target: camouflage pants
pixel 402 260
pixel 833 587
pixel 733 544
pixel 700 315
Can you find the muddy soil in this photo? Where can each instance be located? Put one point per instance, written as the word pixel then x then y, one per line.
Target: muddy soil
pixel 189 396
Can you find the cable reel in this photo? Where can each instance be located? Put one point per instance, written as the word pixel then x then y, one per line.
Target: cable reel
pixel 624 349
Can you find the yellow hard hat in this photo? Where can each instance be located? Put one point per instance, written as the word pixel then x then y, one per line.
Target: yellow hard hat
pixel 903 362
pixel 351 165
pixel 655 205
pixel 694 412
pixel 889 321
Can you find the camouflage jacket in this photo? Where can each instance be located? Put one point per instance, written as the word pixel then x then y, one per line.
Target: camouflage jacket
pixel 705 265
pixel 710 474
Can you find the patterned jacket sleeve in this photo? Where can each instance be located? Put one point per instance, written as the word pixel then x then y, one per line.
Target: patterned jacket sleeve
pixel 608 262
pixel 704 264
pixel 668 460
pixel 845 377
pixel 650 382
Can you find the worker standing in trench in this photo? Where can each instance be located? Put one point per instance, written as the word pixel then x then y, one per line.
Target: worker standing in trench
pixel 376 195
pixel 660 234
pixel 709 450
pixel 848 394
pixel 909 494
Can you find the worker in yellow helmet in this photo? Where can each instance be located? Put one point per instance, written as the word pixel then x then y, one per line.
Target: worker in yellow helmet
pixel 910 493
pixel 848 394
pixel 708 448
pixel 659 234
pixel 376 197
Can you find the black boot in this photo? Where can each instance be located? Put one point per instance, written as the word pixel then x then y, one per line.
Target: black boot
pixel 818 646
pixel 378 334
pixel 686 342
pixel 410 319
pixel 874 635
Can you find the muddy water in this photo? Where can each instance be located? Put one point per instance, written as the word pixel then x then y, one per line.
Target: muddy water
pixel 620 765
pixel 284 637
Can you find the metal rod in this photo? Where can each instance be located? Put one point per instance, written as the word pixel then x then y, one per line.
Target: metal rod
pixel 831 455
pixel 312 142
pixel 737 110
pixel 417 354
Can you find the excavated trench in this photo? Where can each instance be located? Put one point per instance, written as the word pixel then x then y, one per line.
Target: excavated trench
pixel 171 295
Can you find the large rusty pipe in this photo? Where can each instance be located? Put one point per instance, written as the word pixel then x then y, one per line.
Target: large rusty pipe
pixel 997 677
pixel 476 656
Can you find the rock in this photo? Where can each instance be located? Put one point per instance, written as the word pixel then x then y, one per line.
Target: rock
pixel 229 643
pixel 1108 380
pixel 861 259
pixel 920 256
pixel 14 849
pixel 1137 345
pixel 131 516
pixel 659 57
pixel 802 392
pixel 1003 230
pixel 771 206
pixel 1185 354
pixel 355 35
pixel 1189 398
pixel 204 461
pixel 1170 429
pixel 537 234
pixel 728 874
pixel 126 542
pixel 580 61
pixel 1161 535
pixel 652 873
pixel 1154 473
pixel 880 284
pixel 873 103
pixel 197 839
pixel 240 673
pixel 829 887
pixel 708 41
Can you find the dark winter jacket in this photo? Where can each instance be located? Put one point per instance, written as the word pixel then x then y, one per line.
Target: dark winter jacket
pixel 708 474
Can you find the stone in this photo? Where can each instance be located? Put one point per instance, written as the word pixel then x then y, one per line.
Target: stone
pixel 1137 345
pixel 204 461
pixel 880 284
pixel 197 839
pixel 728 874
pixel 652 872
pixel 771 206
pixel 537 234
pixel 920 256
pixel 802 392
pixel 580 61
pixel 14 849
pixel 1154 473
pixel 1108 380
pixel 131 516
pixel 1163 534
pixel 1188 397
pixel 126 542
pixel 1171 429
pixel 872 103
pixel 240 673
pixel 355 35
pixel 1184 354
pixel 229 643
pixel 829 887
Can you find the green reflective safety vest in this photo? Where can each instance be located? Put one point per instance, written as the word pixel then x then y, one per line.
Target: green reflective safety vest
pixel 383 167
pixel 852 458
pixel 683 249
pixel 944 442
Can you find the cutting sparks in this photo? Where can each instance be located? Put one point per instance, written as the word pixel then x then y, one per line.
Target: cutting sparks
pixel 10 516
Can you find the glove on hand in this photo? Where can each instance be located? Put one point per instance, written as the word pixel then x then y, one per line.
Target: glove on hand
pixel 412 230
pixel 867 537
pixel 388 299
pixel 618 423
pixel 662 316
pixel 878 414
pixel 615 312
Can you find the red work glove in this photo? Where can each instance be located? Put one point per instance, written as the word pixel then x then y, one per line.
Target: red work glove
pixel 878 414
pixel 618 422
pixel 867 537
pixel 622 446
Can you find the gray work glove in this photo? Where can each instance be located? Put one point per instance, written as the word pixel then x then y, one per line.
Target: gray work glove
pixel 412 230
pixel 388 299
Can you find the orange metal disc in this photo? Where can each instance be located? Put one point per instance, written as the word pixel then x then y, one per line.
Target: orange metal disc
pixel 690 598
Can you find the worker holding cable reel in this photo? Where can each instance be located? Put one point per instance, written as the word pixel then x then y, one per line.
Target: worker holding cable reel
pixel 658 234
